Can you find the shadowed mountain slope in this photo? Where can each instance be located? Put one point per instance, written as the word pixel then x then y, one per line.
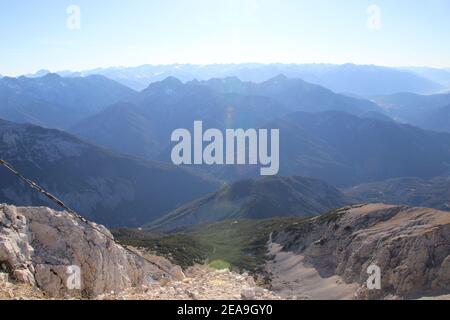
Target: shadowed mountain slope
pixel 256 199
pixel 57 102
pixel 106 187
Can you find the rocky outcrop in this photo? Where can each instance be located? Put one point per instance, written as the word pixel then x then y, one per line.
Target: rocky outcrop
pixel 64 256
pixel 411 246
pixel 200 283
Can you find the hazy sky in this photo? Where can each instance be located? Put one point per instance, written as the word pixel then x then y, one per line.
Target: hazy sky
pixel 34 34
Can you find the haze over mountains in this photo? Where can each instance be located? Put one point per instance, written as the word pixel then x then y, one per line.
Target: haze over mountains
pixel 441 76
pixel 356 79
pixel 343 149
pixel 57 102
pixel 143 125
pixel 342 139
pixel 339 139
pixel 426 111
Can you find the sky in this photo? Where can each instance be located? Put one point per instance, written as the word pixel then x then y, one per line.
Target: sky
pixel 48 34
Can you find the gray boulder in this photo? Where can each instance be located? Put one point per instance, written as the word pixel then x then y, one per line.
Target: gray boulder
pixel 64 256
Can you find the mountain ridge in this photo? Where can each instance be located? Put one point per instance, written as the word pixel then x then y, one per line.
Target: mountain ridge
pixel 359 79
pixel 430 193
pixel 151 116
pixel 105 186
pixel 261 198
pixel 55 101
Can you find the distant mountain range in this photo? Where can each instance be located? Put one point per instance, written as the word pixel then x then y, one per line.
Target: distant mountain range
pixel 426 111
pixel 441 76
pixel 340 139
pixel 57 102
pixel 143 126
pixel 355 144
pixel 351 78
pixel 256 199
pixel 294 94
pixel 104 186
pixel 431 193
pixel 344 149
pixel 343 140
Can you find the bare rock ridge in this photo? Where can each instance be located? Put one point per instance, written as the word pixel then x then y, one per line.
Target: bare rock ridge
pixel 43 248
pixel 410 245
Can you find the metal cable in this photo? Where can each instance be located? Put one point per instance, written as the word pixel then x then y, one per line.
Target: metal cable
pixel 54 199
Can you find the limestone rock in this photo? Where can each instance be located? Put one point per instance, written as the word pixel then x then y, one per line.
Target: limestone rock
pixel 410 246
pixel 248 294
pixel 63 256
pixel 3 277
pixel 177 273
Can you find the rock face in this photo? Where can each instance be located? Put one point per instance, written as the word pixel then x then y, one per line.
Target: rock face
pixel 411 246
pixel 64 256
